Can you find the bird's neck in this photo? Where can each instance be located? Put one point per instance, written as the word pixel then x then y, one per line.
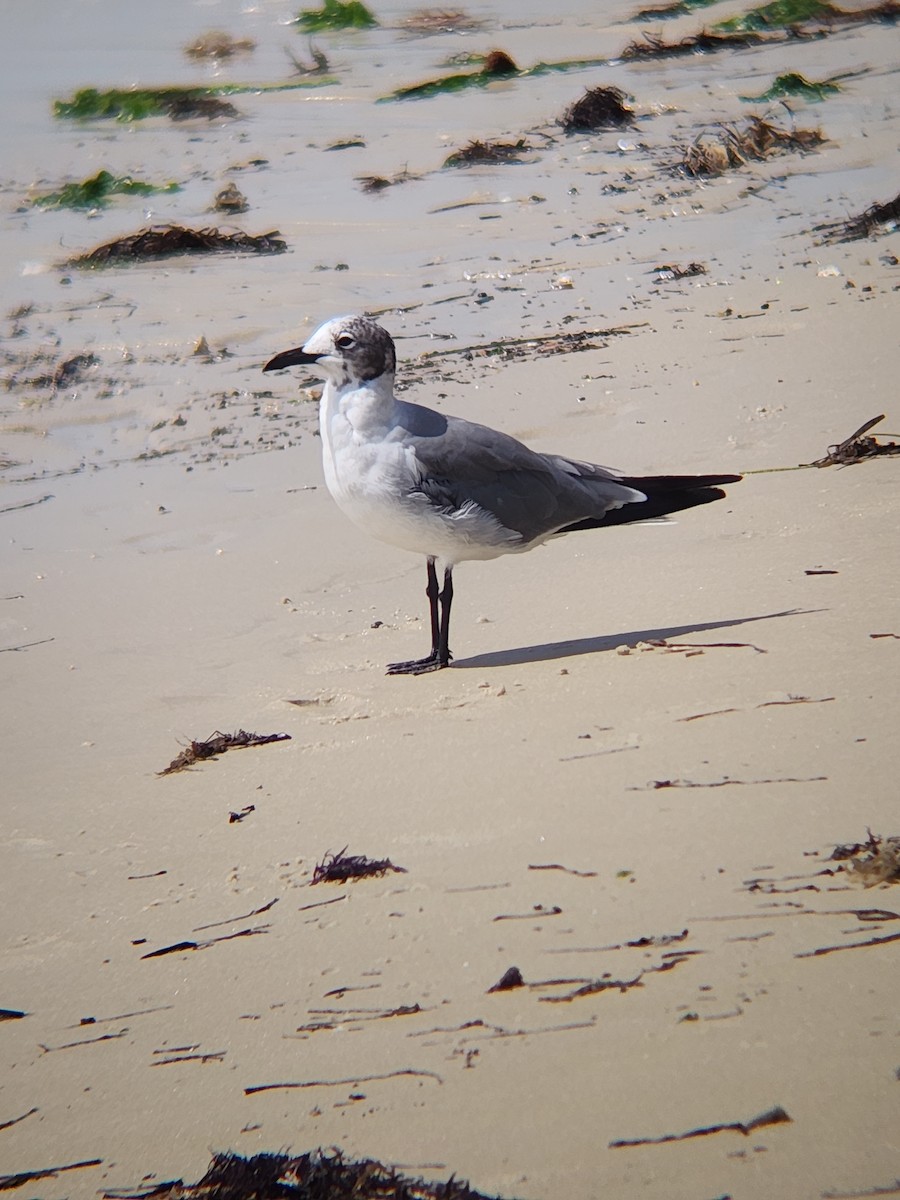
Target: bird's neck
pixel 366 407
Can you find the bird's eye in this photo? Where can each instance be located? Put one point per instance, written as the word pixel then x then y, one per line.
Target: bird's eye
pixel 344 342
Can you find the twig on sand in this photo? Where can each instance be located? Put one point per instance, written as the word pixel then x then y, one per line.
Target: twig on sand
pixel 311 1083
pixel 16 1120
pixel 877 941
pixel 233 920
pixel 104 1037
pixel 8 1182
pixel 178 947
pixel 655 784
pixel 26 645
pixel 560 867
pixel 774 1116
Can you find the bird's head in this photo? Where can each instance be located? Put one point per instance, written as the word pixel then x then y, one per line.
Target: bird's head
pixel 345 350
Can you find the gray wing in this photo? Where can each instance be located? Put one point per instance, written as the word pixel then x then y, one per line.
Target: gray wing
pixel 463 463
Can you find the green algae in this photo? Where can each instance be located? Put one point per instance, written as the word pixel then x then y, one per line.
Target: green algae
pixel 496 65
pixel 96 191
pixel 668 11
pixel 795 84
pixel 779 14
pixel 334 15
pixel 136 104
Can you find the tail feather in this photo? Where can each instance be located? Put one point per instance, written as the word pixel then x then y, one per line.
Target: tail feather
pixel 666 494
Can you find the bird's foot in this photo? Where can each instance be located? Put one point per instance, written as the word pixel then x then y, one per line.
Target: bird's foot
pixel 420 666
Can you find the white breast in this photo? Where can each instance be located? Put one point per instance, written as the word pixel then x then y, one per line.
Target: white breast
pixel 373 478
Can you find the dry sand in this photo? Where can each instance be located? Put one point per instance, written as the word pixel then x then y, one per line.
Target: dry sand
pixel 172 565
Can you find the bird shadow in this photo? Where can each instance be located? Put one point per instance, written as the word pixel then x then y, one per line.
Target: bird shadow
pixel 547 651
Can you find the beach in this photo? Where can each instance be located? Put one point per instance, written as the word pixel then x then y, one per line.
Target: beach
pixel 631 781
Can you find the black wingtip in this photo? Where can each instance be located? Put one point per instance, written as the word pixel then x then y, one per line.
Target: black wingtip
pixel 666 494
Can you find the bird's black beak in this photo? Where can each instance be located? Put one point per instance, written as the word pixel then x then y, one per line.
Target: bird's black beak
pixel 291 358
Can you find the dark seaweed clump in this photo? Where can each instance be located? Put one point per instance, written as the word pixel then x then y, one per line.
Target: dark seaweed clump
pixel 476 153
pixel 598 108
pixel 313 1176
pixel 167 240
pixel 877 219
pixel 341 867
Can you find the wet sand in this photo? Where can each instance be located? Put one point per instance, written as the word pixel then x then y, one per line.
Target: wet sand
pixel 657 820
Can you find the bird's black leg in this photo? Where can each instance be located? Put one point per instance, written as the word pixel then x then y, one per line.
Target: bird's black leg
pixel 443 647
pixel 431 591
pixel 440 625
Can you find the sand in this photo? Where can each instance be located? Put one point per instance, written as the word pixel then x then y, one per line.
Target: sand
pixel 172 565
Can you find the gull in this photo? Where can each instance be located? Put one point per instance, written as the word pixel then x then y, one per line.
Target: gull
pixel 451 489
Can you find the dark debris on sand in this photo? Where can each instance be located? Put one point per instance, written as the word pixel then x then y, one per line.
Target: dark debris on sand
pixel 217 743
pixel 876 220
pixel 877 860
pixel 341 867
pixel 856 447
pixel 165 241
pixel 598 108
pixel 313 1176
pixel 476 152
pixel 729 147
pixel 653 46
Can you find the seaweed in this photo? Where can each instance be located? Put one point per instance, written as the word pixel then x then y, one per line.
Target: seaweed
pixel 315 1175
pixel 340 867
pixel 778 14
pixel 378 183
pixel 791 14
pixel 127 104
pixel 179 103
pixel 678 9
pixel 877 219
pixel 165 241
pixel 729 147
pixel 96 191
pixel 771 24
pixel 217 743
pixel 794 84
pixel 476 152
pixel 653 46
pixel 496 65
pixel 598 108
pixel 877 860
pixel 856 447
pixel 335 14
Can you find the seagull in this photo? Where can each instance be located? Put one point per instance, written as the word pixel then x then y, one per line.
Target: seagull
pixel 451 489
